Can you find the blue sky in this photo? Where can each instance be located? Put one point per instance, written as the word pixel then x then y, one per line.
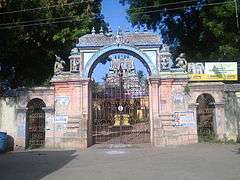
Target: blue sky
pixel 115 14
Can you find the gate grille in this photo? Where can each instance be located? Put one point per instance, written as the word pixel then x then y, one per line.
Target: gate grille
pixel 35 125
pixel 120 109
pixel 205 117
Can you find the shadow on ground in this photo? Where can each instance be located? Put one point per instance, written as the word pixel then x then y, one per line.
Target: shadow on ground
pixel 238 151
pixel 32 165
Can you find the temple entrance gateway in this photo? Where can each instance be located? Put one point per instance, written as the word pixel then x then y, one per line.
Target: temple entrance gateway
pixel 126 88
pixel 120 105
pixel 119 88
pixel 35 125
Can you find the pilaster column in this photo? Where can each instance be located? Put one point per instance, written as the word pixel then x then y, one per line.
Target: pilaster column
pixel 85 122
pixel 21 115
pixel 219 120
pixel 193 107
pixel 49 126
pixel 154 106
pixel 72 103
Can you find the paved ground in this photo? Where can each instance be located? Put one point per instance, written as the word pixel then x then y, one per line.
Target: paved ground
pixel 193 162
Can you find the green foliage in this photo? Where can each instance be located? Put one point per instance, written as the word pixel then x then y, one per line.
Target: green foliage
pixel 31 49
pixel 205 32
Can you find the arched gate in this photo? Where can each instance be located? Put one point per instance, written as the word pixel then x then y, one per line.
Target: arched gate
pixel 35 125
pixel 120 110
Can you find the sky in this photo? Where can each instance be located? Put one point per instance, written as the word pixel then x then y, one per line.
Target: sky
pixel 115 14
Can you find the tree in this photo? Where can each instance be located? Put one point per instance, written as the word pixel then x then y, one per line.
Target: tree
pixel 203 30
pixel 30 39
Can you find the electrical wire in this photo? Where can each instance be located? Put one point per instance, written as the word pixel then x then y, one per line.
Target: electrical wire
pixel 76 3
pixel 162 5
pixel 39 24
pixel 45 7
pixel 36 20
pixel 15 25
pixel 178 8
pixel 33 21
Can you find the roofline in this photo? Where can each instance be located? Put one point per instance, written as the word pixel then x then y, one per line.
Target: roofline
pixel 98 47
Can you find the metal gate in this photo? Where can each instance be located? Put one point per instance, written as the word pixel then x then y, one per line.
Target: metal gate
pixel 120 109
pixel 35 125
pixel 205 117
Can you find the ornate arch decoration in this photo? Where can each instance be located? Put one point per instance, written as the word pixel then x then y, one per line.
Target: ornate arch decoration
pixel 205 96
pixel 117 48
pixel 36 102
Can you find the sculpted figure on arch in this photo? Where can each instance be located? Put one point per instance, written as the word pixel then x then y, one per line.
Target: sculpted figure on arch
pixel 59 65
pixel 181 62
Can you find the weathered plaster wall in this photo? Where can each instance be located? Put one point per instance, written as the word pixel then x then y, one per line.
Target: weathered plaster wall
pixel 24 96
pixel 8 116
pixel 167 98
pixel 216 90
pixel 232 116
pixel 13 114
pixel 176 102
pixel 74 132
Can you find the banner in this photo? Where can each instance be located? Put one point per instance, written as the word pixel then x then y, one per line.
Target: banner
pixel 61 119
pixel 184 119
pixel 213 71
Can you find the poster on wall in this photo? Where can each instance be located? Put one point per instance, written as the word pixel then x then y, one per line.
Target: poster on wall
pixel 61 119
pixel 21 130
pixel 61 105
pixel 213 71
pixel 62 100
pixel 184 119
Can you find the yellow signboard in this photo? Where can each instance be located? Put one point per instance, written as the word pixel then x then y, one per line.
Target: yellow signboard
pixel 238 94
pixel 213 71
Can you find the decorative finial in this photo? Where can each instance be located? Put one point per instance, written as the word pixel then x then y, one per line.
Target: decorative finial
pixel 74 51
pixel 101 30
pixel 165 48
pixel 93 30
pixel 145 28
pixel 109 33
pixel 137 29
pixel 119 31
pixel 109 29
pixel 127 30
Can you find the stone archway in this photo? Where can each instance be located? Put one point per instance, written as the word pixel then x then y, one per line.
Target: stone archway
pixel 35 124
pixel 163 80
pixel 106 51
pixel 120 104
pixel 132 124
pixel 206 117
